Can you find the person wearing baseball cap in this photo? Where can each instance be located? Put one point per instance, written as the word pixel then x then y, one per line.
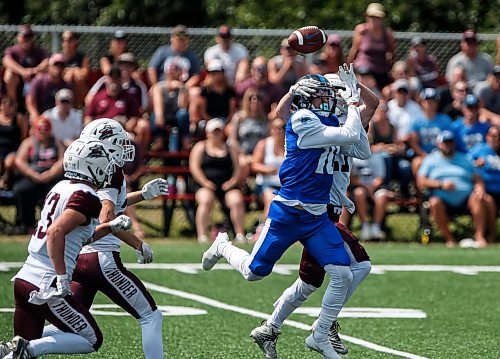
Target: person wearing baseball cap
pixel 117 46
pixel 22 62
pixel 177 51
pixel 43 87
pixel 216 173
pixel 425 129
pixel 477 64
pixel 373 45
pixel 469 131
pixel 421 65
pixel 455 188
pixel 233 55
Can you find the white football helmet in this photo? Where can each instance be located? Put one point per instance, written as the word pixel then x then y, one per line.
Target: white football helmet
pixel 88 159
pixel 324 91
pixel 336 82
pixel 110 132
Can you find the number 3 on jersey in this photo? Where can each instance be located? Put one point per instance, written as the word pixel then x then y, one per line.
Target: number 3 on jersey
pixel 49 208
pixel 329 161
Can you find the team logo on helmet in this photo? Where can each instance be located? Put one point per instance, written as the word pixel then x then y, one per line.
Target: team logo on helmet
pixel 96 152
pixel 106 132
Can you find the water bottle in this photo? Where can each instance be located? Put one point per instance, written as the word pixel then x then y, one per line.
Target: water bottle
pixel 171 184
pixel 426 236
pixel 180 185
pixel 173 140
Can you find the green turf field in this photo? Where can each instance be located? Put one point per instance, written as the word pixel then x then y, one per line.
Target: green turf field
pixel 461 307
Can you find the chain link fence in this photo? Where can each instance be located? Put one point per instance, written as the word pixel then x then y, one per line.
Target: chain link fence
pixel 143 41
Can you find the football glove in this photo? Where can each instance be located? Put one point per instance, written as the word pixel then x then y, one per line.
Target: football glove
pixel 120 223
pixel 304 88
pixel 155 188
pixel 145 255
pixel 351 94
pixel 62 284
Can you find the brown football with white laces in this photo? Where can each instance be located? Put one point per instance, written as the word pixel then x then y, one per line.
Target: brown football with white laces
pixel 307 39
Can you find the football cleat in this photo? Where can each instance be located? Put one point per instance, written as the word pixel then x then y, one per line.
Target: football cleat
pixel 325 348
pixel 5 348
pixel 212 254
pixel 20 348
pixel 266 337
pixel 333 336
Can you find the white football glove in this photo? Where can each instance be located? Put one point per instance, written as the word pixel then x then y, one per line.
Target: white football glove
pixel 351 93
pixel 120 223
pixel 155 188
pixel 63 288
pixel 145 255
pixel 302 88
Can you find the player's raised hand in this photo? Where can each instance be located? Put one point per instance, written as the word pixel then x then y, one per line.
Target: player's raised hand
pixel 304 88
pixel 155 188
pixel 120 223
pixel 145 255
pixel 351 94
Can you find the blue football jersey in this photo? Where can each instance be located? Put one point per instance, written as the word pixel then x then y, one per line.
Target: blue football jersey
pixel 490 172
pixel 306 174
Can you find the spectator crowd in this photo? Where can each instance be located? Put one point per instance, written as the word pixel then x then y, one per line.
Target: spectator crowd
pixel 434 134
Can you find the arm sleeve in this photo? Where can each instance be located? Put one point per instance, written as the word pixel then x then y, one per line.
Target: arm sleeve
pixel 85 203
pixel 313 134
pixel 360 149
pixel 97 86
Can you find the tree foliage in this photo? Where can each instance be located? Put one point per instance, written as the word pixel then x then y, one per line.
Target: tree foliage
pixel 402 15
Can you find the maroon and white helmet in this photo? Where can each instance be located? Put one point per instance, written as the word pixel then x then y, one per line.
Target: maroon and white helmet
pixel 114 136
pixel 89 160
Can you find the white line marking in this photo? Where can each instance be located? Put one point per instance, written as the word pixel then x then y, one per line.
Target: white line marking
pixel 357 312
pixel 216 304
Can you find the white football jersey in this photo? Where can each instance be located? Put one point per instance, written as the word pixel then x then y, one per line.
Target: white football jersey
pixel 342 167
pixel 116 192
pixel 38 268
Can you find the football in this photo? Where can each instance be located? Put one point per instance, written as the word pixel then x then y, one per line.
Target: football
pixel 307 39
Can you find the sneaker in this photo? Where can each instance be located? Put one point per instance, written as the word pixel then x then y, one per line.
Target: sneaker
pixel 212 254
pixel 5 348
pixel 365 234
pixel 203 238
pixel 240 238
pixel 468 243
pixel 20 348
pixel 333 336
pixel 377 233
pixel 266 337
pixel 325 348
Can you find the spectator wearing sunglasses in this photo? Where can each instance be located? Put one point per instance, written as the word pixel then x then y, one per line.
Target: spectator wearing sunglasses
pixel 67 122
pixel 477 65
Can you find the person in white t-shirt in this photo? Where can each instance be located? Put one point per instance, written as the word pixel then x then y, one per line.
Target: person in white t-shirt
pixel 67 122
pixel 233 55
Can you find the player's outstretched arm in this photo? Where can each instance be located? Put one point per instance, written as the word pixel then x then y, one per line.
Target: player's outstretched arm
pixel 152 189
pixel 370 104
pixel 283 107
pixel 143 250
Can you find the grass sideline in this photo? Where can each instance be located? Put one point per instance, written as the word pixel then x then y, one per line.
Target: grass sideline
pixel 463 319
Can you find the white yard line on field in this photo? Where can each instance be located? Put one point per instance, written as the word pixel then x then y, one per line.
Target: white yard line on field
pixel 216 304
pixel 289 269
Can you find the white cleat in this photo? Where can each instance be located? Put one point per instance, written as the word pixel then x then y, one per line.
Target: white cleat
pixel 333 337
pixel 266 337
pixel 325 348
pixel 5 348
pixel 212 254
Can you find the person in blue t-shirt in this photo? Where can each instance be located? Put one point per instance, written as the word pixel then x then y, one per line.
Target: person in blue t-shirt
pixel 298 212
pixel 486 159
pixel 424 130
pixel 176 54
pixel 468 130
pixel 454 185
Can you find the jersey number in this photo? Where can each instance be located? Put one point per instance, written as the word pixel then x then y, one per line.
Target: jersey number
pixel 329 162
pixel 52 202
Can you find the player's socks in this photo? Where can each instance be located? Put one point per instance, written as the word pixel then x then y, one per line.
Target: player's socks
pixel 239 259
pixel 333 300
pixel 359 272
pixel 152 343
pixel 60 343
pixel 292 298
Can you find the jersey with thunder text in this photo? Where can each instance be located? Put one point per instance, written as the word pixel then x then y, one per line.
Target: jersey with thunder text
pixel 38 268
